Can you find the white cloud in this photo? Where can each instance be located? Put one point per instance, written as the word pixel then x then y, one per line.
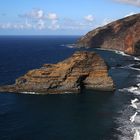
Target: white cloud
pixel 131 2
pixel 40 14
pixel 38 19
pixel 89 18
pixel 5 26
pixel 40 25
pixel 71 24
pixel 28 25
pixel 18 26
pixel 34 14
pixel 130 14
pixel 52 16
pixel 42 20
pixel 54 25
pixel 54 21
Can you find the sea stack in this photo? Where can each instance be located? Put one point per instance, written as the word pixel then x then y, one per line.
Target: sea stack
pixel 122 35
pixel 83 70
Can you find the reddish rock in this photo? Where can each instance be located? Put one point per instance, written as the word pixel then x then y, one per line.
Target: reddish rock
pixel 81 70
pixel 122 35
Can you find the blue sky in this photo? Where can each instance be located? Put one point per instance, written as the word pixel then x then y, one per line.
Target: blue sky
pixel 61 17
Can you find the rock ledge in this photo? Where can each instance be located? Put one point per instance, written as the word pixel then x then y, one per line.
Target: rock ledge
pixel 82 70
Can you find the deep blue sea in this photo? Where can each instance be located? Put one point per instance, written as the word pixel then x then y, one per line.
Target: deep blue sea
pixel 90 115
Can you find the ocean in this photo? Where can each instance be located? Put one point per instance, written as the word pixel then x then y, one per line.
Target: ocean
pixel 91 115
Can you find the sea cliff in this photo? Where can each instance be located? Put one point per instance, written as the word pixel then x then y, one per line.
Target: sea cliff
pixel 122 35
pixel 83 70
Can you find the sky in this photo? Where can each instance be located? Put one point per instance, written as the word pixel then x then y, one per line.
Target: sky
pixel 61 17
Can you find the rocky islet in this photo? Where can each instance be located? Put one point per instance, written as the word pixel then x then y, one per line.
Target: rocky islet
pixel 83 70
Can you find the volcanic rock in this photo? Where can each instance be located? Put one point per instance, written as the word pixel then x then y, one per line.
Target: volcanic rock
pixel 81 70
pixel 122 35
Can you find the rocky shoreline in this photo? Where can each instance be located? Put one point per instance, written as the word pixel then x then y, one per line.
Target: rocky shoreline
pixel 122 35
pixel 83 70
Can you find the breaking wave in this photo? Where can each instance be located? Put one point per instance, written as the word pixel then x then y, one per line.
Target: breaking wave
pixel 124 54
pixel 69 45
pixel 131 124
pixel 121 53
pixel 133 89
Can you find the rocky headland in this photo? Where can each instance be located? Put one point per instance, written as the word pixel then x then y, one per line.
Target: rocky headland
pixel 83 70
pixel 122 35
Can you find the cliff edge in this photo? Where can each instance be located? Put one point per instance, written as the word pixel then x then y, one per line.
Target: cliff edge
pixel 122 35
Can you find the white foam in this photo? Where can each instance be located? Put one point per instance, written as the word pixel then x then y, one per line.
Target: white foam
pixel 137 122
pixel 136 58
pixel 134 105
pixel 130 89
pixel 124 124
pixel 71 45
pixel 134 101
pixel 121 53
pixel 116 51
pixel 68 45
pixel 130 66
pixel 138 83
pixel 68 92
pixel 136 135
pixel 134 89
pixel 137 69
pixel 29 93
pixel 124 54
pixel 132 118
pixel 136 92
pixel 130 127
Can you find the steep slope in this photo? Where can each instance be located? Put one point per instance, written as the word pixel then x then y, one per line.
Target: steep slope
pixel 122 35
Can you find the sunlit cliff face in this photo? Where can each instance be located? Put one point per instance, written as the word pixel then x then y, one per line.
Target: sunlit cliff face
pixel 122 35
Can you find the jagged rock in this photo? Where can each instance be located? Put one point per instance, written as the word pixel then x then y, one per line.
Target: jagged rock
pixel 122 35
pixel 81 70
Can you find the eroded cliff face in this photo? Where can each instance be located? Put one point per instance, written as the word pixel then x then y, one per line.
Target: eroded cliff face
pixel 122 35
pixel 81 70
